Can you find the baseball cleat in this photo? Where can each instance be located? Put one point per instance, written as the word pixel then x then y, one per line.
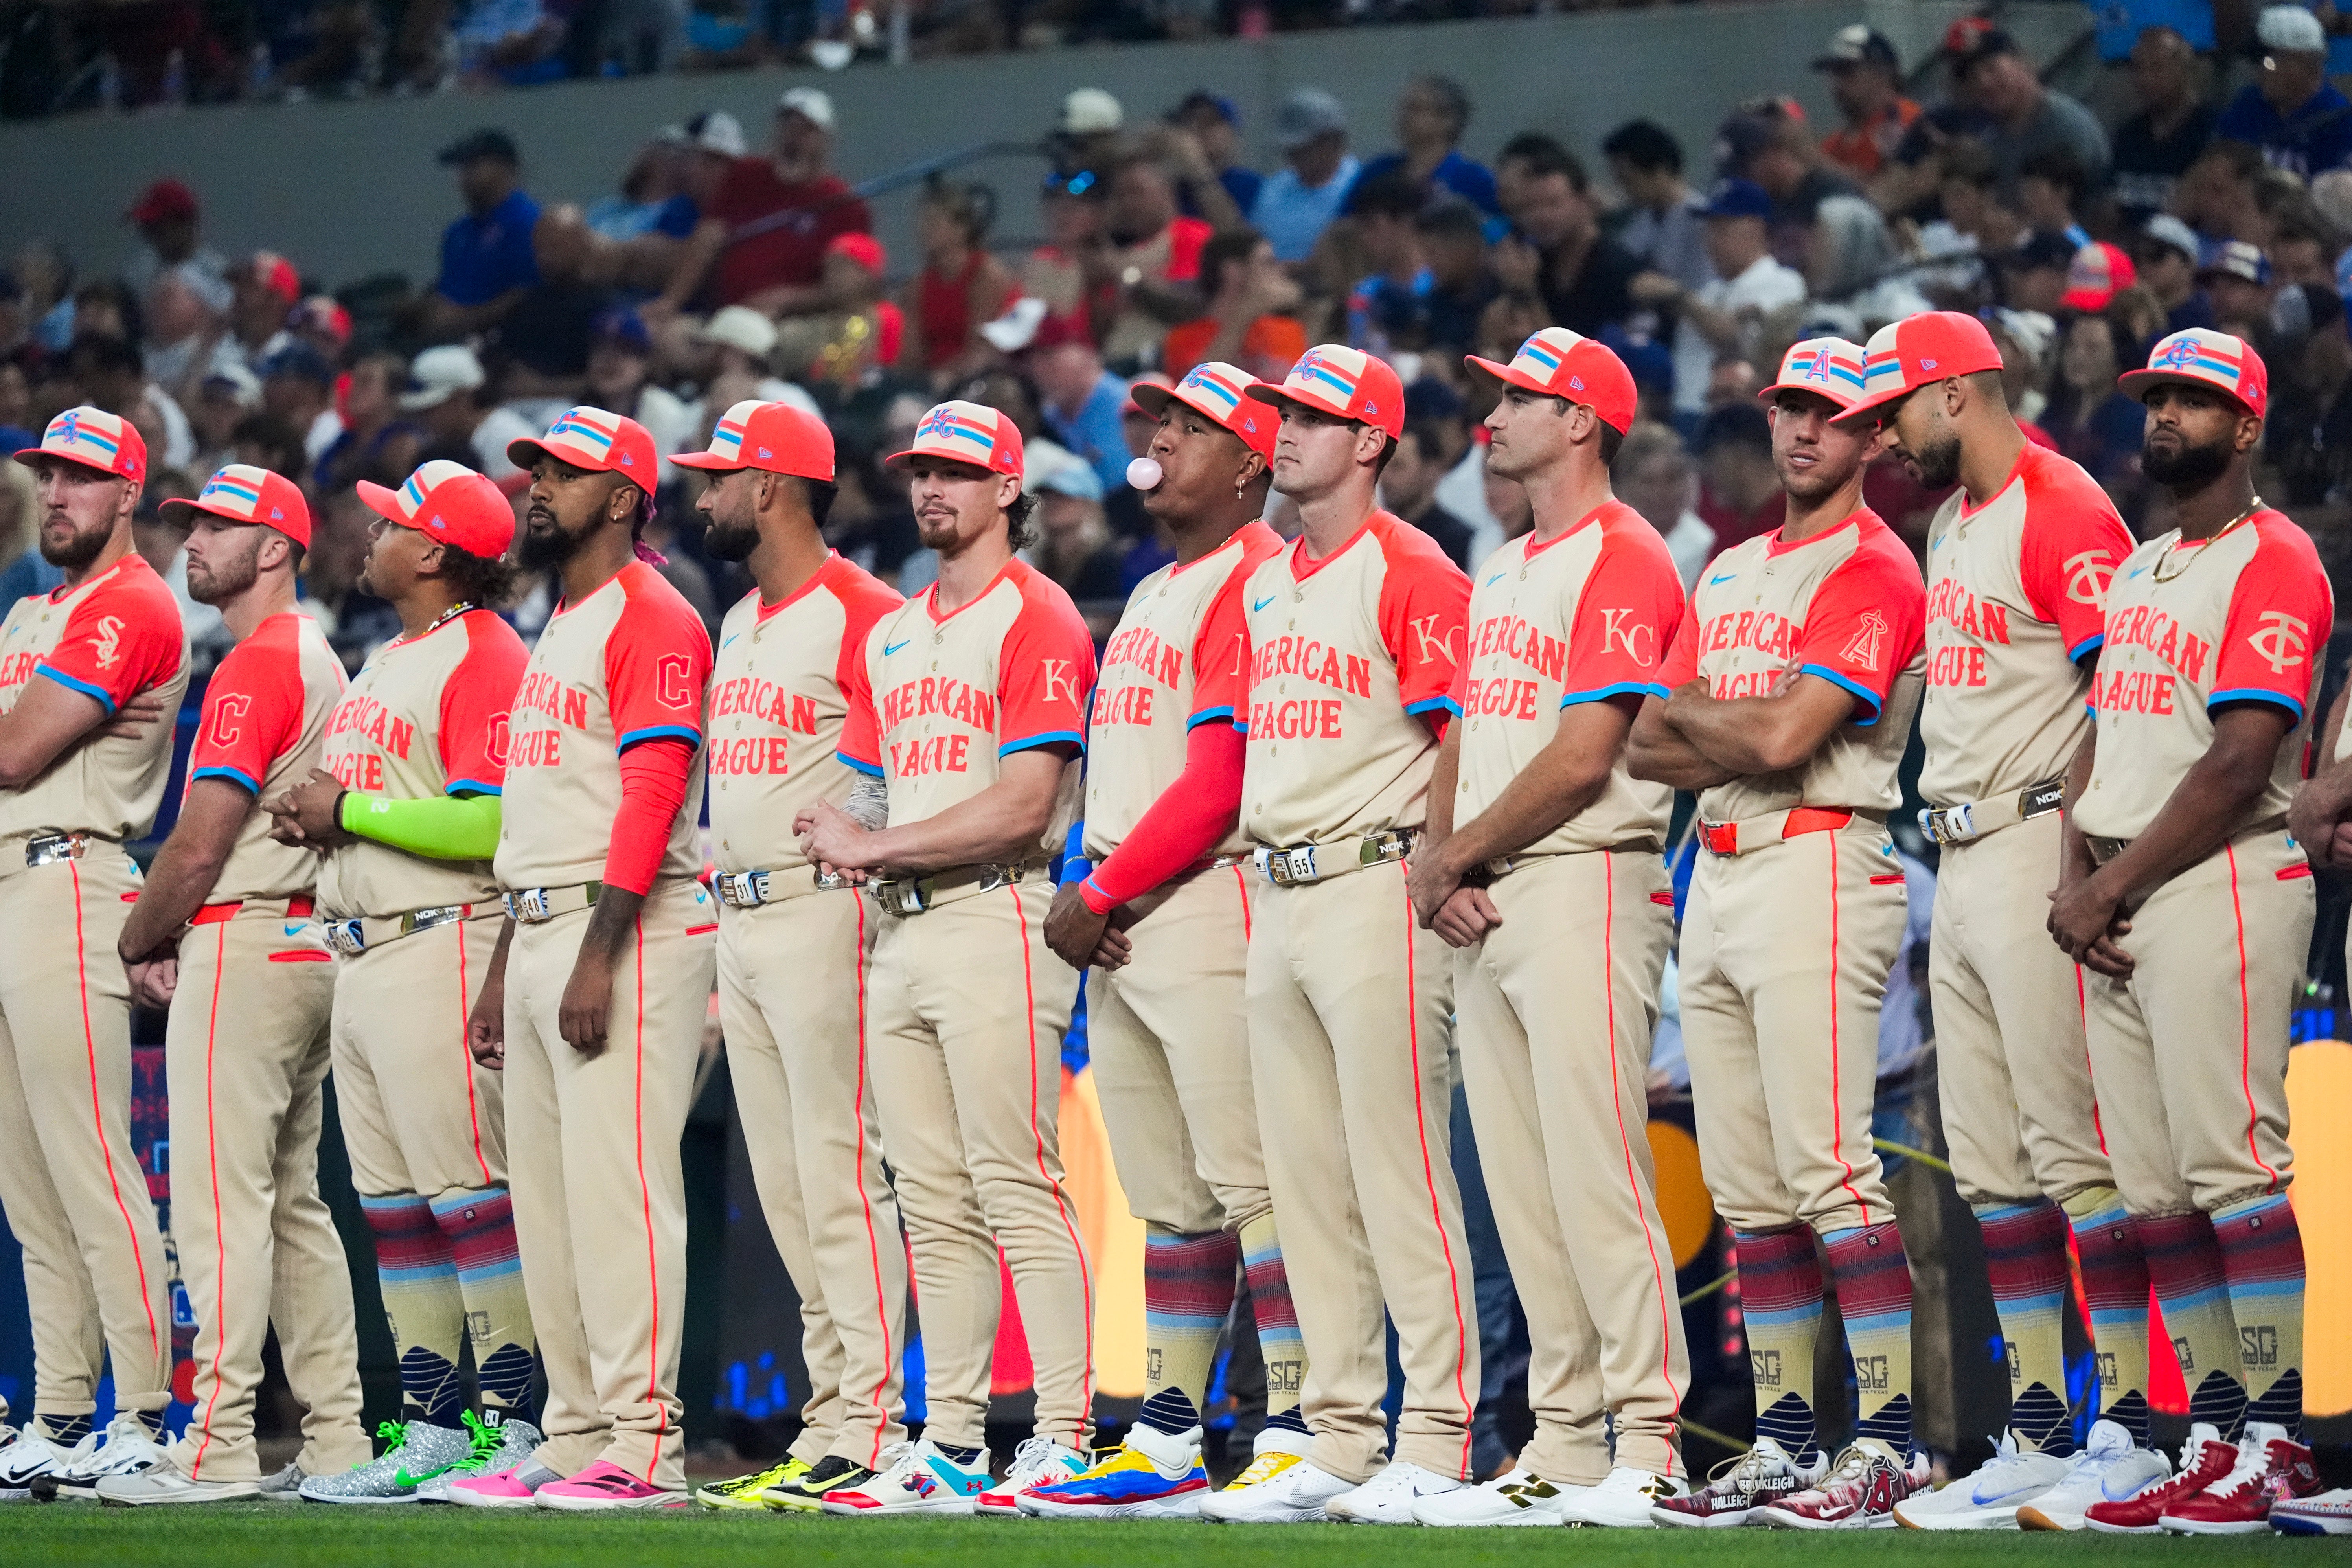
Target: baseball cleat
pixel 505 1445
pixel 124 1449
pixel 750 1491
pixel 2109 1469
pixel 1158 1475
pixel 1521 1497
pixel 1038 1461
pixel 2322 1514
pixel 1279 1487
pixel 1740 1488
pixel 2017 1474
pixel 806 1495
pixel 604 1485
pixel 515 1487
pixel 915 1478
pixel 166 1483
pixel 1388 1497
pixel 2204 1460
pixel 25 1457
pixel 285 1486
pixel 414 1454
pixel 1621 1501
pixel 2271 1467
pixel 1859 1493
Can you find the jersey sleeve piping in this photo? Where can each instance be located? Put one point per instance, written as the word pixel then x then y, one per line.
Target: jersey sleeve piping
pixel 84 687
pixel 1863 693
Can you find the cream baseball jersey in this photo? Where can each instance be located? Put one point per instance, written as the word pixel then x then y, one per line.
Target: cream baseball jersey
pixel 116 636
pixel 2191 627
pixel 629 663
pixel 786 675
pixel 1583 618
pixel 948 696
pixel 1846 605
pixel 264 727
pixel 1346 654
pixel 1176 661
pixel 425 716
pixel 2014 594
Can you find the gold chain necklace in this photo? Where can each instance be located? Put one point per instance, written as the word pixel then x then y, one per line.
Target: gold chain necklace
pixel 2207 543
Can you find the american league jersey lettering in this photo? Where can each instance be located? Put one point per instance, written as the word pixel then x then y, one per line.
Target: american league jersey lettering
pixel 264 728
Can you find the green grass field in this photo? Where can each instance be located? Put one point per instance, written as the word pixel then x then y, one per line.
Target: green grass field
pixel 253 1535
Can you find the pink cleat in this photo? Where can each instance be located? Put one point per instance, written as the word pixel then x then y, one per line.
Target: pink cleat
pixel 604 1485
pixel 514 1488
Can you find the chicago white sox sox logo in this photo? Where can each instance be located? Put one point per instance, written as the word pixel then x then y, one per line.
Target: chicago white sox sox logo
pixel 1055 677
pixel 1616 632
pixel 2281 640
pixel 1861 648
pixel 2087 576
pixel 108 642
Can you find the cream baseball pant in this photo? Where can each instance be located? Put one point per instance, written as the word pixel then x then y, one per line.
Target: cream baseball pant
pixel 245 1056
pixel 2190 1052
pixel 793 1000
pixel 1168 1033
pixel 2014 1068
pixel 419 1116
pixel 76 1198
pixel 1785 953
pixel 1555 1009
pixel 969 1009
pixel 1351 1007
pixel 592 1168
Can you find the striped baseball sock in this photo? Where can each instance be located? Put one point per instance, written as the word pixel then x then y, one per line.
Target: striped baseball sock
pixel 2115 1291
pixel 1874 1286
pixel 2025 1253
pixel 1279 1342
pixel 64 1431
pixel 2184 1262
pixel 1188 1289
pixel 422 1304
pixel 479 1228
pixel 2261 1253
pixel 1781 1300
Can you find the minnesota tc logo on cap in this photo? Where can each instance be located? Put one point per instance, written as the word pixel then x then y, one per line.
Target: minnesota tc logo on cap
pixel 2200 356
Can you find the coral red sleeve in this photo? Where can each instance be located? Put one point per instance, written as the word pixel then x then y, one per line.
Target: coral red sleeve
pixel 1866 620
pixel 475 704
pixel 2071 544
pixel 653 791
pixel 253 709
pixel 2279 613
pixel 120 640
pixel 1190 817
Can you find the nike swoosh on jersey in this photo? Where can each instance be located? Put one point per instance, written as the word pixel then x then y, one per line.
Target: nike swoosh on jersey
pixel 1726 577
pixel 889 648
pixel 296 928
pixel 1494 579
pixel 1257 604
pixel 730 642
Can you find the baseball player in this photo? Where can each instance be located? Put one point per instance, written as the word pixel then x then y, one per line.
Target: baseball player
pixel 404 810
pixel 71 793
pixel 968 726
pixel 2017 561
pixel 1794 679
pixel 594 1002
pixel 1169 895
pixel 1354 632
pixel 793 952
pixel 223 934
pixel 1542 871
pixel 2192 905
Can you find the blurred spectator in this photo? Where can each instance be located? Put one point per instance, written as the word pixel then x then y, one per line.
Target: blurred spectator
pixel 2237 280
pixel 2308 436
pixel 1388 311
pixel 1409 488
pixel 167 220
pixel 762 238
pixel 1430 119
pixel 23 570
pixel 106 307
pixel 960 288
pixel 1866 79
pixel 2301 254
pixel 486 261
pixel 2097 424
pixel 1087 136
pixel 1150 277
pixel 1725 318
pixel 111 375
pixel 2049 194
pixel 1079 400
pixel 542 345
pixel 2289 111
pixel 652 197
pixel 852 345
pixel 1246 323
pixel 1664 231
pixel 1214 126
pixel 2217 196
pixel 445 396
pixel 321 321
pixel 1074 547
pixel 2122 24
pixel 223 396
pixel 355 621
pixel 1995 78
pixel 1655 475
pixel 263 289
pixel 1851 263
pixel 1454 244
pixel 2167 256
pixel 2098 275
pixel 1055 274
pixel 2034 276
pixel 40 268
pixel 374 437
pixel 2024 344
pixel 1767 144
pixel 740 342
pixel 298 385
pixel 185 325
pixel 2155 147
pixel 269 440
pixel 1300 200
pixel 620 379
pixel 1581 276
pixel 1742 496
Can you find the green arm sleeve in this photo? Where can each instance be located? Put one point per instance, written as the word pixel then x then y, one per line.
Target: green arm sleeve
pixel 448 827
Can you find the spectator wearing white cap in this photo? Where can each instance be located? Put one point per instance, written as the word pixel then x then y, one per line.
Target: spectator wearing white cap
pixel 2167 253
pixel 2289 111
pixel 445 396
pixel 1299 200
pixel 739 340
pixel 1085 134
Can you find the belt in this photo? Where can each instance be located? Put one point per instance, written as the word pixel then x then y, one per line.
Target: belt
pixel 1504 865
pixel 353 937
pixel 299 907
pixel 50 848
pixel 1983 818
pixel 747 890
pixel 1303 863
pixel 905 896
pixel 532 906
pixel 2106 849
pixel 1763 831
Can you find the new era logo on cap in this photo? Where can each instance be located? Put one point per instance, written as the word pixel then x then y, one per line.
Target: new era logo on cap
pixel 596 440
pixel 1344 383
pixel 1831 367
pixel 773 437
pixel 964 432
pixel 1558 362
pixel 450 502
pixel 2203 357
pixel 95 439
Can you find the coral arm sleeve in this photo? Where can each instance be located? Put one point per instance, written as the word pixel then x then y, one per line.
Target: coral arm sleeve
pixel 1189 819
pixel 446 828
pixel 653 791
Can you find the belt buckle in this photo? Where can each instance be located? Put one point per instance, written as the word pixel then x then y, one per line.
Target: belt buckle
pixel 830 881
pixel 1949 824
pixel 528 905
pixel 1295 865
pixel 902 898
pixel 53 848
pixel 2038 800
pixel 415 920
pixel 994 877
pixel 1720 837
pixel 345 937
pixel 743 890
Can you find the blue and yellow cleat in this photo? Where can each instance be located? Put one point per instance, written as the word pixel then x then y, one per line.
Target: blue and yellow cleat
pixel 1155 1476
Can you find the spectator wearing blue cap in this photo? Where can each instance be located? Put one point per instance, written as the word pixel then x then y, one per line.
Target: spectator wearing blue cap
pixel 1299 200
pixel 2289 111
pixel 298 385
pixel 486 261
pixel 1726 317
pixel 620 370
pixel 1074 547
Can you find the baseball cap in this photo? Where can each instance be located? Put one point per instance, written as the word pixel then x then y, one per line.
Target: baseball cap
pixel 2290 29
pixel 1557 363
pixel 1857 46
pixel 1072 478
pixel 1306 114
pixel 863 248
pixel 1972 41
pixel 1089 110
pixel 163 200
pixel 811 104
pixel 242 494
pixel 2238 259
pixel 2166 229
pixel 596 440
pixel 1221 391
pixel 2097 273
pixel 1202 98
pixel 621 325
pixel 299 358
pixel 438 374
pixel 1738 198
pixel 324 314
pixel 243 388
pixel 1828 367
pixel 267 270
pixel 489 141
pixel 95 439
pixel 773 437
pixel 2043 249
pixel 450 502
pixel 964 432
pixel 2203 357
pixel 739 327
pixel 1917 352
pixel 717 131
pixel 1344 383
pixel 1740 139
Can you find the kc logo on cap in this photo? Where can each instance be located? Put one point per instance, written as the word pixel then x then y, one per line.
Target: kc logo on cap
pixel 93 438
pixel 1344 383
pixel 2203 357
pixel 1218 392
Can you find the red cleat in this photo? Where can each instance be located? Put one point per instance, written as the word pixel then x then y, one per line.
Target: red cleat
pixel 2271 1467
pixel 2204 1460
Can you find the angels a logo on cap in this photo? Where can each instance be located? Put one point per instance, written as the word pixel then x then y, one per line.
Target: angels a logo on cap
pixel 1826 365
pixel 236 488
pixel 1204 379
pixel 1540 359
pixel 943 423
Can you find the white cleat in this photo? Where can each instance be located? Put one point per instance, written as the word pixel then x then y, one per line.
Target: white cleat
pixel 1279 1488
pixel 1519 1499
pixel 2016 1475
pixel 1037 1462
pixel 166 1484
pixel 124 1449
pixel 1621 1501
pixel 915 1478
pixel 2107 1469
pixel 25 1457
pixel 2323 1513
pixel 1388 1497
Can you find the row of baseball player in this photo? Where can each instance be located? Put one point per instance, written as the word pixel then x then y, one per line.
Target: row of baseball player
pixel 1345 811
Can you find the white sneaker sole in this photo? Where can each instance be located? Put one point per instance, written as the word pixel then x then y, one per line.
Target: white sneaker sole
pixel 1976 1519
pixel 2199 1527
pixel 362 1502
pixel 1730 1519
pixel 227 1493
pixel 464 1499
pixel 966 1505
pixel 1263 1515
pixel 1518 1518
pixel 1772 1519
